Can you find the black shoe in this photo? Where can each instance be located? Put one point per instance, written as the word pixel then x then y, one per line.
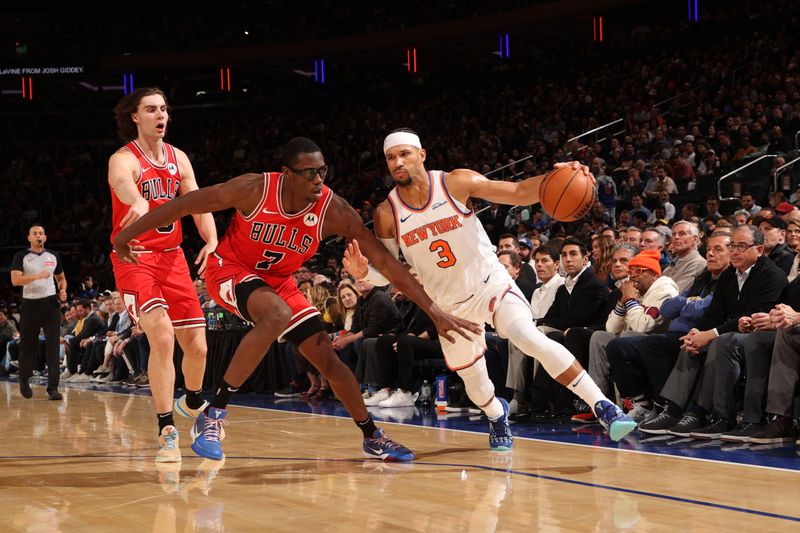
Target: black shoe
pixel 54 395
pixel 25 388
pixel 581 407
pixel 713 430
pixel 686 425
pixel 741 433
pixel 775 432
pixel 660 424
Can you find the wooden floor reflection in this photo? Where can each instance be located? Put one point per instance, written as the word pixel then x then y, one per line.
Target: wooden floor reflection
pixel 86 464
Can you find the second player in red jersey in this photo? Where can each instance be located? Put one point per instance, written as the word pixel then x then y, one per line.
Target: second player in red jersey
pixel 280 219
pixel 158 291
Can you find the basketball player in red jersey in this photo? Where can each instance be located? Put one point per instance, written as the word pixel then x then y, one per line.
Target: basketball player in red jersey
pixel 158 291
pixel 279 222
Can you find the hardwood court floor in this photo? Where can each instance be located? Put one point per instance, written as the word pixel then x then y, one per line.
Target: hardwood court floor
pixel 86 465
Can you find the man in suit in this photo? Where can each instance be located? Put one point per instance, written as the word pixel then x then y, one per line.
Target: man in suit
pixel 90 324
pixel 493 220
pixel 752 284
pixel 579 302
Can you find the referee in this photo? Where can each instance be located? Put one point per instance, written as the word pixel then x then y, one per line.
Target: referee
pixel 34 270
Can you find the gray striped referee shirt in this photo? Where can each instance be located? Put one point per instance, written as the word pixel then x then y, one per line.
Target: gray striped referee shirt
pixel 29 263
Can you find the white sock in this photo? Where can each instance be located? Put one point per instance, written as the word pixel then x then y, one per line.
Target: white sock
pixel 586 389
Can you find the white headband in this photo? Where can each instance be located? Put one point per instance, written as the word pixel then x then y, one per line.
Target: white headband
pixel 401 137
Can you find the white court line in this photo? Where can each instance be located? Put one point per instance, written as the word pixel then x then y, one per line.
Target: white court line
pixel 681 457
pixel 716 461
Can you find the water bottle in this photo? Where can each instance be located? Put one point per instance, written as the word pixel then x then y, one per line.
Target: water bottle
pixel 425 394
pixel 441 392
pixel 212 321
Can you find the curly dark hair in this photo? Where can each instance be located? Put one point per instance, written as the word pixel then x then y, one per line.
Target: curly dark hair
pixel 126 128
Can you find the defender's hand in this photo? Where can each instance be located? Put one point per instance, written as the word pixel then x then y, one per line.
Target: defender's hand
pixel 126 251
pixel 446 322
pixel 202 257
pixel 354 262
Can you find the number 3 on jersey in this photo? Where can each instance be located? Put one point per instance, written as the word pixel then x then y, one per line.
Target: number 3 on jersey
pixel 442 247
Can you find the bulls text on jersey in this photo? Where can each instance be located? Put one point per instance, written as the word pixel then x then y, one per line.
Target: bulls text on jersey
pixel 152 189
pixel 274 234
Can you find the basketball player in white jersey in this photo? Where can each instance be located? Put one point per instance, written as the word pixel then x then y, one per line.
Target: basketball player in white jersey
pixel 425 216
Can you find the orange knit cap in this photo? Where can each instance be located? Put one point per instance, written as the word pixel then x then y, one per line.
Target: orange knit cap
pixel 648 259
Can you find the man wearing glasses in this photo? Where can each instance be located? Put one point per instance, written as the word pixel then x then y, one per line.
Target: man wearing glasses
pixel 752 284
pixel 280 219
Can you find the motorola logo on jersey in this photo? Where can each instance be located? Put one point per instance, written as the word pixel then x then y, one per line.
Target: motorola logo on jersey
pixel 172 168
pixel 154 189
pixel 437 227
pixel 275 234
pixel 310 220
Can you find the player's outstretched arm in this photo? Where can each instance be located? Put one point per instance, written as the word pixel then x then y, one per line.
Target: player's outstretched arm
pixel 341 219
pixel 238 192
pixel 464 184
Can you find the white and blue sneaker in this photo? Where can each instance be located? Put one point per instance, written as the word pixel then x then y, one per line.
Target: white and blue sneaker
pixel 500 437
pixel 184 410
pixel 611 417
pixel 379 446
pixel 207 434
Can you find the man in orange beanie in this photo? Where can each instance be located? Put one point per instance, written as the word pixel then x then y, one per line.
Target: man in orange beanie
pixel 636 313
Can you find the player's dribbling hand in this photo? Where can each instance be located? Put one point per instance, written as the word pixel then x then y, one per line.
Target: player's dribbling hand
pixel 354 262
pixel 576 165
pixel 446 322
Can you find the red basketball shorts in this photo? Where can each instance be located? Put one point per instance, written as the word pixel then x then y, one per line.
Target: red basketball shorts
pixel 161 279
pixel 223 274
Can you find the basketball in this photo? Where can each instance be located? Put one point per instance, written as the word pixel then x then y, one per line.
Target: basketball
pixel 567 194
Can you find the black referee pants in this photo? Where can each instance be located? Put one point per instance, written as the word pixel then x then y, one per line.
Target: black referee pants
pixel 43 313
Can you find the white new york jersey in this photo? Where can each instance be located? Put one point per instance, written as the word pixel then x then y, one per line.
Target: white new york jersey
pixel 446 244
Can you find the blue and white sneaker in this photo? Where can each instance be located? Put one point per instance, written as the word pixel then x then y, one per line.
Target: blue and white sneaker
pixel 207 434
pixel 184 410
pixel 613 419
pixel 500 437
pixel 379 446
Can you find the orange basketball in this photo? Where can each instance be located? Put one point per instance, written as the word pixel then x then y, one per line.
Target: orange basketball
pixel 567 194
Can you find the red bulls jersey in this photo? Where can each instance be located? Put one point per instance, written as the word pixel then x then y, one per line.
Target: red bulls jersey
pixel 157 184
pixel 271 241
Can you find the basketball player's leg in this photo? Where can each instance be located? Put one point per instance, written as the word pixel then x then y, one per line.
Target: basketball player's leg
pixel 318 349
pixel 465 357
pixel 141 293
pixel 189 323
pixel 513 320
pixel 258 303
pixel 157 325
pixel 315 345
pixel 193 343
